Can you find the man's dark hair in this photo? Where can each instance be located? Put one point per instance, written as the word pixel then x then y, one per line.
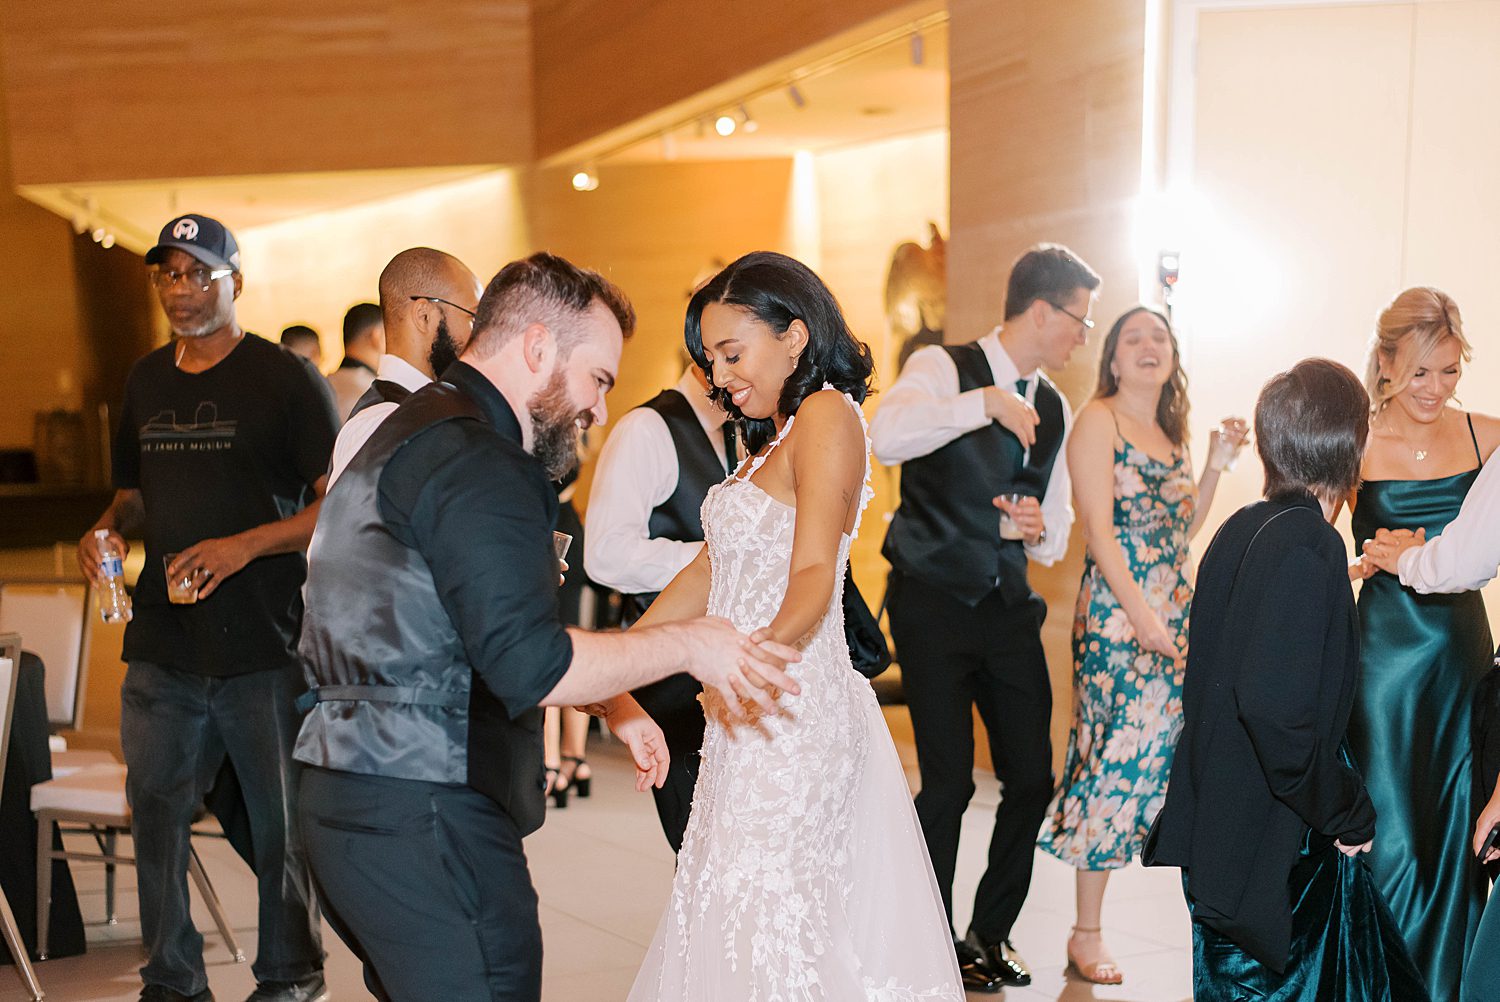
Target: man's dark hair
pixel 544 289
pixel 359 319
pixel 1311 423
pixel 298 334
pixel 1049 272
pixel 775 290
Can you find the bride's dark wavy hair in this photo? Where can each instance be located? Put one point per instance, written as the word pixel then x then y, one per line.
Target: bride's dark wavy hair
pixel 777 289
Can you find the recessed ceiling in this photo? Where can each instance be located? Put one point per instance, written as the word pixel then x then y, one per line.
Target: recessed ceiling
pixel 890 87
pixel 135 211
pixel 877 95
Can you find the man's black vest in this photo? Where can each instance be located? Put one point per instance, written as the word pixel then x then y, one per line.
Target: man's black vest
pixel 395 693
pixel 382 391
pixel 680 516
pixel 946 531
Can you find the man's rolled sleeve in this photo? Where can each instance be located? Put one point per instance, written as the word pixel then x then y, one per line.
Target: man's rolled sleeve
pixel 481 515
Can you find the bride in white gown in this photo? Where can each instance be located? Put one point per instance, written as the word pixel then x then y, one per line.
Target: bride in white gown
pixel 803 875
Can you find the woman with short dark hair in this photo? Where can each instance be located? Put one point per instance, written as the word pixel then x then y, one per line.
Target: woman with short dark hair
pixel 1265 813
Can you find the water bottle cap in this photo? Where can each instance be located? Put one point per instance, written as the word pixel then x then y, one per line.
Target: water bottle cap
pixel 101 533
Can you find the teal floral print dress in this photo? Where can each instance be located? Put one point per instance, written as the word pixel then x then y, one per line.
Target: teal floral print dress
pixel 1127 702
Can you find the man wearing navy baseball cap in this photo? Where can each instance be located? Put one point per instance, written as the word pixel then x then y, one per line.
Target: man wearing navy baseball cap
pixel 219 460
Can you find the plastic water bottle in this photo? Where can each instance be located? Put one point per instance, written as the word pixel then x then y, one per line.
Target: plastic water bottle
pixel 114 603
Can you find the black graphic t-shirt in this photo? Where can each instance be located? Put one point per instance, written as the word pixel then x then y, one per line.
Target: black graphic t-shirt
pixel 213 454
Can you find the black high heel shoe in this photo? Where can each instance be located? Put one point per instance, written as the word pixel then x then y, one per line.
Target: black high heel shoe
pixel 556 788
pixel 583 784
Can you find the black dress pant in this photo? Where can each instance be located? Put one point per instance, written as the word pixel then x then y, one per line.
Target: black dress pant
pixel 427 884
pixel 954 657
pixel 673 704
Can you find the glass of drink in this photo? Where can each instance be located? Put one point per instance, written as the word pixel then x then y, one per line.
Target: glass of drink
pixel 560 543
pixel 1008 527
pixel 182 589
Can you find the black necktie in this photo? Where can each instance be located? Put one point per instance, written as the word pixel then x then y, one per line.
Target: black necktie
pixel 1021 387
pixel 731 449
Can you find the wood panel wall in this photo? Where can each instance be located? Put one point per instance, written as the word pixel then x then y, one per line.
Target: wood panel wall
pixel 131 91
pixel 603 63
pixel 1046 121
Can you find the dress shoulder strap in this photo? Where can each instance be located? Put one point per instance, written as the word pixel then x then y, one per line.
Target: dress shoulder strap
pixel 1474 438
pixel 867 493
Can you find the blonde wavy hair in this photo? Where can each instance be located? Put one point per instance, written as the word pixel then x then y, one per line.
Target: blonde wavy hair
pixel 1406 332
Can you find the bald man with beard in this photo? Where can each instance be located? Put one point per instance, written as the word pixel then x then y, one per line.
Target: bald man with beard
pixel 427 300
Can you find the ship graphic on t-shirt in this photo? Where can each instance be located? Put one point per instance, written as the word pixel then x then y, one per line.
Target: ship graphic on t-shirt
pixel 205 433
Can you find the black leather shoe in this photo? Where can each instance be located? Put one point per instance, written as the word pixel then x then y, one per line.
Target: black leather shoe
pixel 974 970
pixel 309 989
pixel 161 993
pixel 1002 959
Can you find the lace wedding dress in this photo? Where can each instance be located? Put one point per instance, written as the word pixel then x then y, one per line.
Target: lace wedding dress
pixel 803 875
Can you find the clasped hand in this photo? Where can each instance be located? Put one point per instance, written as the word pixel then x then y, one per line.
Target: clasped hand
pixel 745 671
pixel 1383 553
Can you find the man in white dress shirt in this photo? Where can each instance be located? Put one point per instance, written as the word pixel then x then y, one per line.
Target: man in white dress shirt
pixel 427 302
pixel 978 427
pixel 643 527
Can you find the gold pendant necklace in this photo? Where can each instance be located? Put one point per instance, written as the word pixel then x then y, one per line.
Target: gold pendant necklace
pixel 1420 454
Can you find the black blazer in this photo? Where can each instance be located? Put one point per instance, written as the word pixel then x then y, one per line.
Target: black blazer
pixel 1272 669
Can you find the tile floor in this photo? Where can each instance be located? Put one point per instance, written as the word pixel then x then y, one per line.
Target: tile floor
pixel 604 873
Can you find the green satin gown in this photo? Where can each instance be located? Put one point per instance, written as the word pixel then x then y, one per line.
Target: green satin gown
pixel 1422 656
pixel 1345 945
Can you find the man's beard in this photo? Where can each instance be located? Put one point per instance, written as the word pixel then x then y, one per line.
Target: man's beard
pixel 556 426
pixel 444 350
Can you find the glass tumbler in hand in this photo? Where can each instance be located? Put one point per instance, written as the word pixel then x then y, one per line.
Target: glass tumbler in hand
pixel 1008 527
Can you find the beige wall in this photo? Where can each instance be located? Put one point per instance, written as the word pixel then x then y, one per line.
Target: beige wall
pixel 1336 162
pixel 1046 143
pixel 313 268
pixel 136 91
pixel 870 199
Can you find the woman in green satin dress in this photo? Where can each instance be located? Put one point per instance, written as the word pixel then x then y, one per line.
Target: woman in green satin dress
pixel 1422 654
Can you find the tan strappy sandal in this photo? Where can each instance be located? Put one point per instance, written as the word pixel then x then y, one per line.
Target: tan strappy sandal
pixel 1105 972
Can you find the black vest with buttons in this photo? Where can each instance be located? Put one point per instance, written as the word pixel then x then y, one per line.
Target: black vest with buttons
pixel 946 531
pixel 395 695
pixel 680 516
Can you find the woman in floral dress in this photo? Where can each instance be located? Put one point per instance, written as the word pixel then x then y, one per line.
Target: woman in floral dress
pixel 1138 505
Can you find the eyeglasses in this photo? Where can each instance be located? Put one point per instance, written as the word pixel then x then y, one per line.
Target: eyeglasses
pixel 1088 324
pixel 445 302
pixel 201 279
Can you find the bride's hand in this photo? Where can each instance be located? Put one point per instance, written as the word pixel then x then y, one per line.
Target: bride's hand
pixel 741 669
pixel 643 736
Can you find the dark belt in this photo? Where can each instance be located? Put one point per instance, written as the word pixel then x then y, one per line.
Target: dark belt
pixel 406 694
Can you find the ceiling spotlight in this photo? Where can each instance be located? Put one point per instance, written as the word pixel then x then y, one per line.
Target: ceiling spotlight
pixel 725 125
pixel 98 234
pixel 108 241
pixel 746 122
pixel 918 56
pixel 585 180
pixel 795 94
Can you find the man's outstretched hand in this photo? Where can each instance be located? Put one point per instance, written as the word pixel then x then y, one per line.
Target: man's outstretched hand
pixel 743 670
